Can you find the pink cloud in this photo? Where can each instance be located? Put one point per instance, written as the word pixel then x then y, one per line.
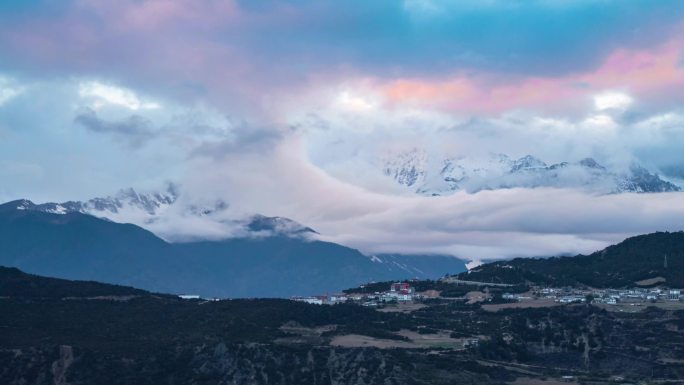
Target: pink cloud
pixel 150 15
pixel 655 73
pixel 189 49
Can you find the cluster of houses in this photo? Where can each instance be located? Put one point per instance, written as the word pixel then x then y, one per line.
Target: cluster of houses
pixel 637 295
pixel 325 299
pixel 607 296
pixel 398 292
pixel 402 292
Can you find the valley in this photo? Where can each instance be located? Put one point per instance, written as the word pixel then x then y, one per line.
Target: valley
pixel 268 262
pixel 420 331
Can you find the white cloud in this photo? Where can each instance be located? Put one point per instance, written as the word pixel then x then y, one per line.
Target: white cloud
pixel 348 100
pixel 320 173
pixel 103 94
pixel 8 90
pixel 612 100
pixel 490 224
pixel 601 123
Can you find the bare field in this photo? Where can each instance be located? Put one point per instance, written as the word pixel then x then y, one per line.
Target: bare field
pixel 651 281
pixel 533 303
pixel 416 341
pixel 402 308
pixel 303 335
pixel 538 381
pixel 475 297
pixel 359 341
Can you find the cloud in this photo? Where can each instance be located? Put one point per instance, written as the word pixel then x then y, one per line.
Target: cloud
pixel 286 107
pixel 134 130
pixel 611 100
pixel 224 51
pixel 8 90
pixel 491 224
pixel 54 125
pixel 245 140
pixel 652 75
pixel 103 94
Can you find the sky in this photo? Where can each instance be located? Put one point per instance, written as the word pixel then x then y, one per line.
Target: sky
pixel 284 107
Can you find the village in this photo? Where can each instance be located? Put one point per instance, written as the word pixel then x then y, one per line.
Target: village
pixel 398 292
pixel 600 296
pixel 404 292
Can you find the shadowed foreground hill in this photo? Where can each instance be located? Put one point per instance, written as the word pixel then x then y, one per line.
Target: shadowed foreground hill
pixel 152 339
pixel 14 283
pixel 636 259
pixel 80 246
pixel 156 339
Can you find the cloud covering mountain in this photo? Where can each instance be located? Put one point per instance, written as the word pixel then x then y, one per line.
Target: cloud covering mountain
pixel 290 109
pixel 498 171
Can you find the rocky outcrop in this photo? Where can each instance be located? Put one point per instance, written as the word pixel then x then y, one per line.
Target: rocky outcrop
pixel 61 365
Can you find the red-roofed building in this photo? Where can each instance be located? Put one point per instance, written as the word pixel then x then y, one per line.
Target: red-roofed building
pixel 401 288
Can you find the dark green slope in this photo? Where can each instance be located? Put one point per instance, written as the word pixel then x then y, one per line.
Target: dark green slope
pixel 635 259
pixel 14 283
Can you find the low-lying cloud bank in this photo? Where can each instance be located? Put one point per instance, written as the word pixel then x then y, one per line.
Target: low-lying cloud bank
pixel 489 224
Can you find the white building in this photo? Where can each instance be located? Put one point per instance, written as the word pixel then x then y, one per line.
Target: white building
pixel 338 298
pixel 571 299
pixel 309 300
pixel 674 294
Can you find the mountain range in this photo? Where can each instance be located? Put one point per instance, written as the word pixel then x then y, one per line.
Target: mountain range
pixel 125 199
pixel 146 209
pixel 276 261
pixel 417 171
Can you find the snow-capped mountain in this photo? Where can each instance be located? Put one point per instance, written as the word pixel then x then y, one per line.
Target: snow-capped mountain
pixel 152 209
pixel 407 168
pixel 416 171
pixel 151 204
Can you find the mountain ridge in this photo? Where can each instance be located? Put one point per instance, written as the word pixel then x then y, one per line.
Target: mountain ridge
pixel 149 208
pixel 74 245
pixel 15 283
pixel 416 171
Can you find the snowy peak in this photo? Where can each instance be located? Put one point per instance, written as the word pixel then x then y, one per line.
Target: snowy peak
pixel 527 163
pixel 25 204
pixel 641 180
pixel 150 203
pixel 407 168
pixel 19 204
pixel 499 171
pixel 155 210
pixel 127 199
pixel 22 204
